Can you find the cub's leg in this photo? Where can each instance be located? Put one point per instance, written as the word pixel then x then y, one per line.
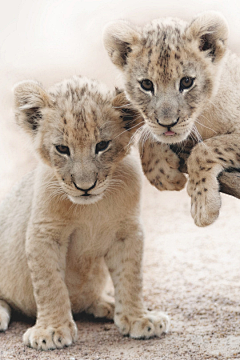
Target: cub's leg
pixel 46 256
pixel 124 261
pixel 161 166
pixel 206 162
pixel 5 314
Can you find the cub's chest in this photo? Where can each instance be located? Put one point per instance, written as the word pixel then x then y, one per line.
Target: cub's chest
pixel 94 236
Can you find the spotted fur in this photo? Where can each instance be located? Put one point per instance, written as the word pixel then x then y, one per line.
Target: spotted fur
pixel 76 217
pixel 166 51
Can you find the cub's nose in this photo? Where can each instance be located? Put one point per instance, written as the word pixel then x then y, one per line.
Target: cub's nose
pixel 85 189
pixel 168 125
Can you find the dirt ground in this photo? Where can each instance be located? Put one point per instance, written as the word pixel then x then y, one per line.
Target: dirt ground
pixel 190 273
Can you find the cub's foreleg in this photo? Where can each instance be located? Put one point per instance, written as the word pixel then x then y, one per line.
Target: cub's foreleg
pixel 161 166
pixel 46 256
pixel 124 261
pixel 207 160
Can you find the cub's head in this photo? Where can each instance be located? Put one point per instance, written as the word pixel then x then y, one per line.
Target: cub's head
pixel 171 69
pixel 80 129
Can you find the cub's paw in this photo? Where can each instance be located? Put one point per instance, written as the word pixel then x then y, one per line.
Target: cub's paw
pixel 102 308
pixel 205 199
pixel 160 165
pixel 166 178
pixel 48 338
pixel 151 324
pixel 5 313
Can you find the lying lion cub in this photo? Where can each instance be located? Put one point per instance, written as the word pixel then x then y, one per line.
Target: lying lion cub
pixel 76 213
pixel 186 83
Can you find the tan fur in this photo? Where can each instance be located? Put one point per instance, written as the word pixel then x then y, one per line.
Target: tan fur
pixel 56 244
pixel 165 52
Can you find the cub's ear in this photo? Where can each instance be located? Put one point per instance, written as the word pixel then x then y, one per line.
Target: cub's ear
pixel 118 38
pixel 30 100
pixel 131 118
pixel 211 30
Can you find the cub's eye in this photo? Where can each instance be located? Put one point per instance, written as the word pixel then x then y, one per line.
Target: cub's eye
pixel 147 85
pixel 102 145
pixel 186 83
pixel 62 149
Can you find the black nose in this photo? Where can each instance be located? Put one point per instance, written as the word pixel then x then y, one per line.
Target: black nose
pixel 168 126
pixel 85 190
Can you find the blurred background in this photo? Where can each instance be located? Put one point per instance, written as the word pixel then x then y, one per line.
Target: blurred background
pixel 49 40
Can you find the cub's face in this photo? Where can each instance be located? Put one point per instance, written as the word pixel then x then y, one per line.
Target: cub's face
pixel 170 69
pixel 81 130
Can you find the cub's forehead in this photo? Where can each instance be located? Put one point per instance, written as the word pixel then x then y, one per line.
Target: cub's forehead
pixel 164 53
pixel 81 85
pixel 160 32
pixel 82 102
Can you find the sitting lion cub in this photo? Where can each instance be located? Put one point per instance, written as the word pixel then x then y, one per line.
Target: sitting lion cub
pixel 186 84
pixel 76 213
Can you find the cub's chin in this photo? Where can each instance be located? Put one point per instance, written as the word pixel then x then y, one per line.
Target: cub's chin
pixel 86 200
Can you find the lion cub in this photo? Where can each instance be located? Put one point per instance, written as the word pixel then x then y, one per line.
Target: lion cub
pixel 75 216
pixel 186 84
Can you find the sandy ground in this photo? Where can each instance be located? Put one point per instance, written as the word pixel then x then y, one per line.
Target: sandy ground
pixel 191 273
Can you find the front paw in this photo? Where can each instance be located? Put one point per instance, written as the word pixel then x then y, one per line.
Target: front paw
pixel 161 166
pixel 205 199
pixel 50 337
pixel 168 179
pixel 150 324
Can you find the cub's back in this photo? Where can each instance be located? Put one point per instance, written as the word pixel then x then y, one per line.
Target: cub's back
pixel 16 208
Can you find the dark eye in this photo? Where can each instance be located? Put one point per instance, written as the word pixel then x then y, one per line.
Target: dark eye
pixel 102 145
pixel 62 149
pixel 147 85
pixel 186 83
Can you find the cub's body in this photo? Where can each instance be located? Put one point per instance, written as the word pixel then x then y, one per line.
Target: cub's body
pixel 88 229
pixel 186 84
pixel 76 218
pixel 221 113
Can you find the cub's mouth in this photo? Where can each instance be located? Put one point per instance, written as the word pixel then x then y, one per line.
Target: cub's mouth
pixel 86 199
pixel 169 133
pixel 86 196
pixel 170 136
